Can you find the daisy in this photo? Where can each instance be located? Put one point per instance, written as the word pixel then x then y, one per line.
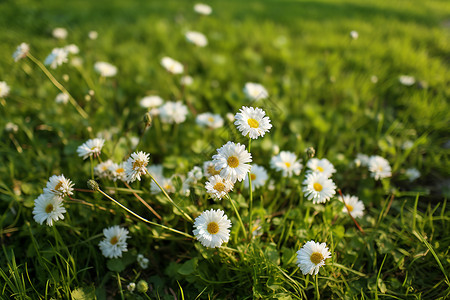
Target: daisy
pixel 151 102
pixel 353 205
pixel 117 171
pixel 131 286
pixel 173 112
pixel 4 89
pixel 172 65
pixel 209 169
pixel 105 69
pixel 202 9
pixel 354 34
pixel 361 160
pixel 62 98
pixel 252 121
pixel 142 261
pixel 196 38
pixel 72 49
pixel 196 173
pixel 255 91
pixel 92 147
pixel 211 228
pixel 230 117
pixel 21 52
pixel 210 120
pixel 56 58
pixel 11 127
pixel 59 33
pixel 93 35
pixel 412 174
pixel 102 169
pixel 48 207
pixel 115 242
pixel 186 80
pixel 166 183
pixel 258 175
pixel 379 167
pixel 312 256
pixel 59 185
pixel 218 187
pixel 287 163
pixel 318 188
pixel 321 166
pixel 406 80
pixel 232 159
pixel 135 166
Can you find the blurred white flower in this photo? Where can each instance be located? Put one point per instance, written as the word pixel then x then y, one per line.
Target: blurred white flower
pixel 102 169
pixel 151 102
pixel 59 33
pixel 412 174
pixel 232 159
pixel 117 171
pixel 374 79
pixel 230 117
pixel 406 80
pixel 255 91
pixel 21 51
pixel 11 127
pixel 196 38
pixel 173 112
pixel 76 61
pixel 312 256
pixel 56 58
pixel 379 167
pixel 361 160
pixel 218 187
pixel 196 173
pixel 287 163
pixel 4 89
pixel 93 35
pixel 115 242
pixel 172 65
pixel 131 287
pixel 321 166
pixel 353 205
pixel 211 228
pixel 186 80
pixel 252 122
pixel 62 98
pixel 407 145
pixel 202 9
pixel 210 120
pixel 318 188
pixel 48 207
pixel 72 49
pixel 209 169
pixel 105 69
pixel 258 175
pixel 354 34
pixel 92 147
pixel 142 261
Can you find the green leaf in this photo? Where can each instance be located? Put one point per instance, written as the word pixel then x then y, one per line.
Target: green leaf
pixel 188 267
pixel 116 265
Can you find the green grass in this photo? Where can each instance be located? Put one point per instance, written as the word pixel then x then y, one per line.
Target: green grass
pixel 321 96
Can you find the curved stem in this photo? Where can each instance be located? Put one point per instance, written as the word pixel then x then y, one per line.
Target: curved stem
pixel 143 201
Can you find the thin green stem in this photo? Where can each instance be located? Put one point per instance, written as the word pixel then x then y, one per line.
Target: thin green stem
pixel 237 214
pixel 143 219
pixel 317 286
pixel 170 199
pixel 251 193
pixel 58 85
pixel 92 167
pixel 120 286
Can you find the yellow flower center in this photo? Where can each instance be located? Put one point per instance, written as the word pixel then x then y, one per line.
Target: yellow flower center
pixel 220 187
pixel 212 171
pixel 233 161
pixel 253 123
pixel 138 164
pixel 93 148
pixel 49 208
pixel 213 228
pixel 316 257
pixel 320 169
pixel 120 170
pixel 167 187
pixel 58 186
pixel 317 186
pixel 288 165
pixel 252 176
pixel 211 119
pixel 114 240
pixel 349 207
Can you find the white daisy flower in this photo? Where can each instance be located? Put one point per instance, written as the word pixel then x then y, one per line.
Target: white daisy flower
pixel 21 52
pixel 202 9
pixel 186 80
pixel 211 228
pixel 252 121
pixel 196 173
pixel 196 38
pixel 117 171
pixel 287 163
pixel 115 242
pixel 210 120
pixel 361 160
pixel 11 127
pixel 318 188
pixel 321 166
pixel 102 169
pixel 93 35
pixel 412 174
pixel 92 147
pixel 72 49
pixel 131 287
pixel 59 33
pixel 150 102
pixel 135 166
pixel 218 187
pixel 354 34
pixel 312 256
pixel 59 185
pixel 166 183
pixel 258 175
pixel 105 69
pixel 4 89
pixel 142 261
pixel 232 159
pixel 48 207
pixel 407 145
pixel 56 58
pixel 62 98
pixel 171 65
pixel 406 80
pixel 209 169
pixel 230 117
pixel 255 91
pixel 379 167
pixel 173 112
pixel 353 205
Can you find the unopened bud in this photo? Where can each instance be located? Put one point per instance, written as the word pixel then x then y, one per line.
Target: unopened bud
pixel 310 152
pixel 148 120
pixel 93 185
pixel 142 286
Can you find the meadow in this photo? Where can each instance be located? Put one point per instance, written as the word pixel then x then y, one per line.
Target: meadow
pixel 357 96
